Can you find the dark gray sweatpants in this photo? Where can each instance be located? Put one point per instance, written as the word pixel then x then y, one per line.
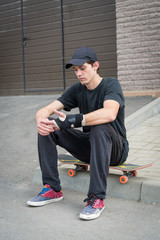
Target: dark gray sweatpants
pixel 100 147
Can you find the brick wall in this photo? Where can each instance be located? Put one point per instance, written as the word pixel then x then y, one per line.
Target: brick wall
pixel 138 44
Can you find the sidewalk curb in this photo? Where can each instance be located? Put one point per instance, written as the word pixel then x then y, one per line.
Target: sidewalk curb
pixel 143 114
pixel 138 189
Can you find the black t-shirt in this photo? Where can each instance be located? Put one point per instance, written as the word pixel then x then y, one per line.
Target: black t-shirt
pixel 87 101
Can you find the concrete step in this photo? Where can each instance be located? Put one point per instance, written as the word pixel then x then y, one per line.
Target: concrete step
pixel 137 188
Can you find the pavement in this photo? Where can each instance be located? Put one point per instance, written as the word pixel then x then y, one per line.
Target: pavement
pixel 121 219
pixel 20 179
pixel 18 145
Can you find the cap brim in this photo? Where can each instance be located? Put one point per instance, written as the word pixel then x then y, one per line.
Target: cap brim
pixel 76 62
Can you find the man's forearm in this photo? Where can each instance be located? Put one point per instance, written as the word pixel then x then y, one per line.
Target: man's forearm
pixel 104 115
pixel 98 117
pixel 48 110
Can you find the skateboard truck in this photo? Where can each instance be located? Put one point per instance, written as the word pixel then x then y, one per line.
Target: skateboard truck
pixel 126 174
pixel 72 172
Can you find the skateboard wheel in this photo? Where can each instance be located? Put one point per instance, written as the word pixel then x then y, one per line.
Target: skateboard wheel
pixel 134 173
pixel 123 179
pixel 71 172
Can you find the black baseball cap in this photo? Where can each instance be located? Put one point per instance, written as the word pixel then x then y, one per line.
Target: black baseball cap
pixel 81 56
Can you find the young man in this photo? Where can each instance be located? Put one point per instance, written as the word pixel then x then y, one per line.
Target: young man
pixel 101 143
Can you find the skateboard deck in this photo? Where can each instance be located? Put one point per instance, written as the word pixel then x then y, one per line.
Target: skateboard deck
pixel 127 169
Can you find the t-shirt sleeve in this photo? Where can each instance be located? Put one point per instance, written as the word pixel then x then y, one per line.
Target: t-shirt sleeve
pixel 114 92
pixel 68 98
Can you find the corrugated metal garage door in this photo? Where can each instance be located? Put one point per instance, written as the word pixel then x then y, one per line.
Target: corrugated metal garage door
pixel 42 45
pixel 40 69
pixel 11 68
pixel 93 24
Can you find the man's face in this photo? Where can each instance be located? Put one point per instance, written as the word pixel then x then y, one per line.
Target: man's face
pixel 85 73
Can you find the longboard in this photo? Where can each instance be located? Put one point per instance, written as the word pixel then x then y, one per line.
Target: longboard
pixel 128 169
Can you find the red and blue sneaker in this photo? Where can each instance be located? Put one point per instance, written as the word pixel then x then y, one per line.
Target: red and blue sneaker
pixel 93 208
pixel 47 195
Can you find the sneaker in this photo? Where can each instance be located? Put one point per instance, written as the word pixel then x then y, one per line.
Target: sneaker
pixel 47 195
pixel 93 208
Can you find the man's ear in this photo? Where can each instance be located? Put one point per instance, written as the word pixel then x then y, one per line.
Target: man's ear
pixel 96 65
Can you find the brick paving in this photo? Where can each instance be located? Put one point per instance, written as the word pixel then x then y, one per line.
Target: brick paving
pixel 144 141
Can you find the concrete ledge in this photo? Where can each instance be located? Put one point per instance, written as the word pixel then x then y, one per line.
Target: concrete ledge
pixel 78 183
pixel 155 93
pixel 151 191
pixel 130 190
pixel 143 114
pixel 138 189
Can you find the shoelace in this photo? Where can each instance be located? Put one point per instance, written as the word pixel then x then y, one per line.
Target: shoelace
pixel 91 200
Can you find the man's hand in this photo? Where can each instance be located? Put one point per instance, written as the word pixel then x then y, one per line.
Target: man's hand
pixel 60 114
pixel 68 121
pixel 44 125
pixel 47 126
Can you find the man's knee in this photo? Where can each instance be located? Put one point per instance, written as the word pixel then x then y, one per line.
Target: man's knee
pixel 46 139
